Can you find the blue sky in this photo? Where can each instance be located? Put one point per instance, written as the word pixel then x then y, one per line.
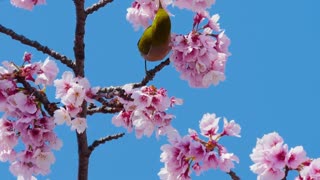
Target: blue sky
pixel 272 79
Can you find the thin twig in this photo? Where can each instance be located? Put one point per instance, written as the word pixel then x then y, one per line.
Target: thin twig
pixel 105 109
pixel 233 175
pixel 64 59
pixel 151 73
pixel 103 140
pixel 97 6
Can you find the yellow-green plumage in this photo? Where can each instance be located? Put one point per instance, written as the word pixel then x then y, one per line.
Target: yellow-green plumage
pixel 154 43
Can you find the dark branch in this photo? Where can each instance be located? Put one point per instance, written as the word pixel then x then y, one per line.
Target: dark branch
pixel 233 175
pixel 64 59
pixel 103 140
pixel 151 73
pixel 79 46
pixel 79 53
pixel 104 109
pixel 97 6
pixel 41 97
pixel 111 92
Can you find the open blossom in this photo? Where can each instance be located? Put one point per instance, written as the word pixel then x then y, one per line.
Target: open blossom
pixel 79 124
pixel 27 4
pixel 312 171
pixel 146 112
pixel 48 73
pixel 201 57
pixel 23 122
pixel 194 5
pixel 142 12
pixel 271 157
pixel 190 153
pixel 73 91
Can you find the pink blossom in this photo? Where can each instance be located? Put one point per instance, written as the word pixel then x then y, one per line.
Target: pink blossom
pixel 142 12
pixel 312 171
pixel 24 103
pixel 27 4
pixel 196 58
pixel 231 128
pixel 79 124
pixel 74 96
pixel 146 113
pixel 64 84
pixel 43 159
pixel 62 116
pixel 270 173
pixel 209 125
pixel 190 153
pixel 194 5
pixel 27 57
pixel 22 170
pixel 296 156
pixel 226 161
pixel 8 137
pixel 271 158
pixel 48 73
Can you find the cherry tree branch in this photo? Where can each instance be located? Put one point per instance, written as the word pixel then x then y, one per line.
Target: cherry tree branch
pixel 103 140
pixel 151 73
pixel 95 7
pixel 107 107
pixel 24 40
pixel 79 53
pixel 233 175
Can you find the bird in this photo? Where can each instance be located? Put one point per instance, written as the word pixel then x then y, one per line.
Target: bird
pixel 154 43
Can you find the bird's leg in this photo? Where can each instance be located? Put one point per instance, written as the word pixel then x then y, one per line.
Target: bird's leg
pixel 145 66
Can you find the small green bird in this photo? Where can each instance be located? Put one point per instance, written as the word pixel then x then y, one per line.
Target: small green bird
pixel 154 43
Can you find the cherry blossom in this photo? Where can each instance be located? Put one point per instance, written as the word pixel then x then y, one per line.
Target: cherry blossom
pixel 272 158
pixel 194 5
pixel 311 171
pixel 201 57
pixel 190 153
pixel 48 73
pixel 73 91
pixel 146 112
pixel 27 4
pixel 23 119
pixel 142 12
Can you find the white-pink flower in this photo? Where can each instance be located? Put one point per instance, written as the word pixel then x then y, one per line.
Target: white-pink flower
pixel 27 4
pixel 190 153
pixel 231 128
pixel 146 112
pixel 311 172
pixel 209 125
pixel 64 84
pixel 142 12
pixel 196 57
pixel 79 124
pixel 62 116
pixel 194 5
pixel 48 73
pixel 296 157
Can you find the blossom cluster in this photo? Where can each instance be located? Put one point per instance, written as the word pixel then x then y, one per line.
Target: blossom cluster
pixel 145 111
pixel 27 4
pixel 24 120
pixel 273 160
pixel 142 12
pixel 72 91
pixel 201 57
pixel 190 152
